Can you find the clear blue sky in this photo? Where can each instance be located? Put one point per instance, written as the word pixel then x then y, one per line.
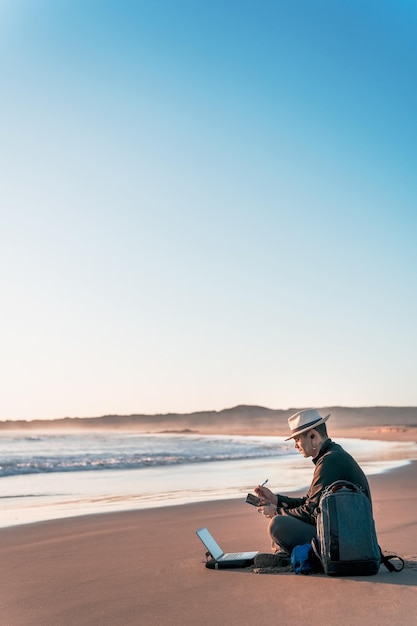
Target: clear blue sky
pixel 206 204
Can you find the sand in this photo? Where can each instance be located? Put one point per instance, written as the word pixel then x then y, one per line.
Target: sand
pixel 147 567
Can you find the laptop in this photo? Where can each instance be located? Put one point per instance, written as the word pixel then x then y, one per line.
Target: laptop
pixel 220 559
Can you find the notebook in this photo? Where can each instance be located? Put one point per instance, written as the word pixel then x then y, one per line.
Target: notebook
pixel 220 559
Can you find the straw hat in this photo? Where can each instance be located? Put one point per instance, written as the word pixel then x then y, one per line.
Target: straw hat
pixel 305 420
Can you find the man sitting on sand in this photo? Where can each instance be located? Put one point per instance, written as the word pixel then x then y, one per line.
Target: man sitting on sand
pixel 293 520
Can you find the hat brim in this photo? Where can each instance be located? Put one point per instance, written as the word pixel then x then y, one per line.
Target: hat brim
pixel 304 430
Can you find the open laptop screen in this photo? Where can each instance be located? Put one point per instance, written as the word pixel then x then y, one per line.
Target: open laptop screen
pixel 210 543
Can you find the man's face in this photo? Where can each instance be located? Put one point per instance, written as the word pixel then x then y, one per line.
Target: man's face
pixel 304 444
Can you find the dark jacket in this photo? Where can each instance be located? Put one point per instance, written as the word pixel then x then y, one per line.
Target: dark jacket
pixel 332 463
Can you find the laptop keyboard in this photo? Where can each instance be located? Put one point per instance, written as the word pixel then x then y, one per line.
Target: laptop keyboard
pixel 233 556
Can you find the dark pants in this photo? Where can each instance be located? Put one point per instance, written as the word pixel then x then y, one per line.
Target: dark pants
pixel 288 532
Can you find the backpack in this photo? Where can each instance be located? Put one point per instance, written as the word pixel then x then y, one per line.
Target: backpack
pixel 346 542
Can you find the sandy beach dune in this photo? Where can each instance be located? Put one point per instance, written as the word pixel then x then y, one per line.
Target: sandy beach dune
pixel 399 423
pixel 147 567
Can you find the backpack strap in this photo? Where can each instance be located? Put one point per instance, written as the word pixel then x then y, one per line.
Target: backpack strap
pixel 316 550
pixel 341 484
pixel 386 560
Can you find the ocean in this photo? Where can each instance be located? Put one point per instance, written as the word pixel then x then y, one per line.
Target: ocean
pixel 54 475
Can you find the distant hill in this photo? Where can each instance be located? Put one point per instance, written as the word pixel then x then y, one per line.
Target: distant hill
pixel 237 420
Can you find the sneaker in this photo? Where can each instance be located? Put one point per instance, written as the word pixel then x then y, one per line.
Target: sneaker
pixel 272 560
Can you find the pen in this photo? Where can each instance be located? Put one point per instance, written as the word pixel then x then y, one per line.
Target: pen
pixel 265 481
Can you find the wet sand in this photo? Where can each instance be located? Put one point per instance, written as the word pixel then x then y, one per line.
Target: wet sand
pixel 147 567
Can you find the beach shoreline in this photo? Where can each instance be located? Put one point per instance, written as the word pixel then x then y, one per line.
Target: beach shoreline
pixel 208 467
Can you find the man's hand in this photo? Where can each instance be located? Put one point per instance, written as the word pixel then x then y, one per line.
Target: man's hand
pixel 268 510
pixel 266 495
